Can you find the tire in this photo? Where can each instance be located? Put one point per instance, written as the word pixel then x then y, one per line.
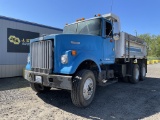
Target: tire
pixel 142 71
pixel 39 88
pixel 135 74
pixel 83 82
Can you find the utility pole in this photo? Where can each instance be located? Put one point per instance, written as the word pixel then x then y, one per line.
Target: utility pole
pixel 135 32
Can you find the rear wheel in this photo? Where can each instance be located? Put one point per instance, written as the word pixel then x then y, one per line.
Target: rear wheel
pixel 39 88
pixel 83 88
pixel 142 71
pixel 135 74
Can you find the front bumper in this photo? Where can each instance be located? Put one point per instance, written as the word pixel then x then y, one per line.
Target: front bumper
pixel 50 80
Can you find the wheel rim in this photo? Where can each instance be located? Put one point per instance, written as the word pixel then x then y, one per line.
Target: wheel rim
pixel 137 73
pixel 144 71
pixel 88 89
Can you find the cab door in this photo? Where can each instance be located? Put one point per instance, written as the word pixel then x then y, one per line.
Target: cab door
pixel 108 43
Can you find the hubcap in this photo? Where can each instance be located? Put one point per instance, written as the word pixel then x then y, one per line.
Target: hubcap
pixel 88 89
pixel 137 73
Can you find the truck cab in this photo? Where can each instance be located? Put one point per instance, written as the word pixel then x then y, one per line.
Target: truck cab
pixel 85 55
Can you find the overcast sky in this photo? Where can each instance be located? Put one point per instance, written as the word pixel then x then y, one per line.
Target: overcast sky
pixel 140 15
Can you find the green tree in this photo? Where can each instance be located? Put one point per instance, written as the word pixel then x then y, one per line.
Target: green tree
pixel 153 43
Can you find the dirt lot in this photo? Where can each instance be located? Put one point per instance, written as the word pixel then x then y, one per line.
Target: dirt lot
pixel 116 101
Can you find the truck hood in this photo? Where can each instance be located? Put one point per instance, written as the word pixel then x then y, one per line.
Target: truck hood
pixel 86 46
pixel 77 42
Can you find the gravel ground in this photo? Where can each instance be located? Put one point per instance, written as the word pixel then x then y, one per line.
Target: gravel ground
pixel 117 101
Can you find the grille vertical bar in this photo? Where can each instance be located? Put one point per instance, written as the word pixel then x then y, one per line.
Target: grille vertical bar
pixel 41 56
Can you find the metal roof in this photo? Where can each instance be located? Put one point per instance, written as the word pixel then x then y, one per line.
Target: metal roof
pixel 29 23
pixel 112 16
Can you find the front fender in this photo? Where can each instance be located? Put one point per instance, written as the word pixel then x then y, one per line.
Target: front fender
pixel 77 61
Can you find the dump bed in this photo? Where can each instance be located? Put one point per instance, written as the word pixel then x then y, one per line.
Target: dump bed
pixel 129 46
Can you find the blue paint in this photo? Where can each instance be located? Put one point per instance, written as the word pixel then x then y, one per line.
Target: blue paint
pixel 134 49
pixel 99 49
pixel 108 47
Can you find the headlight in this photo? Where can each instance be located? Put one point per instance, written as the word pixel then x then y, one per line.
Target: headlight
pixel 28 59
pixel 64 59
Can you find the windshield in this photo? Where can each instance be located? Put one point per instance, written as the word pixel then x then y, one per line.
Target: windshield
pixel 92 27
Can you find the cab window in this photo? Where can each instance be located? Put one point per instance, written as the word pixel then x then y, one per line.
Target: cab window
pixel 108 30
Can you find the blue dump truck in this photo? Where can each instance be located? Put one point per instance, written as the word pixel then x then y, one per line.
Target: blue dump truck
pixel 88 53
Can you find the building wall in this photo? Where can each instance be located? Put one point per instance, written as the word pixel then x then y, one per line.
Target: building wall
pixel 12 63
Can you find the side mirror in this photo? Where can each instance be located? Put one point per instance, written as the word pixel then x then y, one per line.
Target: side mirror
pixel 116 36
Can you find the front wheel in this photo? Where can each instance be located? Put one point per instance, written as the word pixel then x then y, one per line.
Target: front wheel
pixel 83 88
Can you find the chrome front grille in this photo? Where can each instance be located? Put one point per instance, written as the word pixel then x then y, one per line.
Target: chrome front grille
pixel 41 56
